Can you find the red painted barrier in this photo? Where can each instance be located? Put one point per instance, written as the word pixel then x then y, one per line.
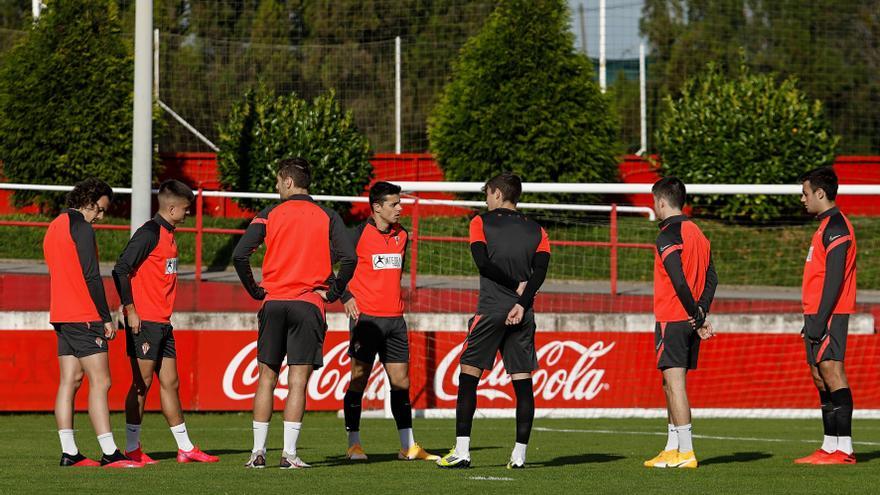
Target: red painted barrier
pixel 577 370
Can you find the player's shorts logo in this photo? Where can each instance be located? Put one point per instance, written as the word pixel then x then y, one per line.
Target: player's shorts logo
pixel 99 341
pixel 145 348
pixel 391 261
pixel 170 266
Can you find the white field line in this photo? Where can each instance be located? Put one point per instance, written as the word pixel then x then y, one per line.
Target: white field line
pixel 705 437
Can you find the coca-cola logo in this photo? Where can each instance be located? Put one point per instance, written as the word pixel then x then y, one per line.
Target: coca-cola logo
pixel 331 381
pixel 583 381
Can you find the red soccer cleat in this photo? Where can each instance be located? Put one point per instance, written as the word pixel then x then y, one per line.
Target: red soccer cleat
pixel 838 457
pixel 77 460
pixel 117 460
pixel 818 455
pixel 138 455
pixel 195 455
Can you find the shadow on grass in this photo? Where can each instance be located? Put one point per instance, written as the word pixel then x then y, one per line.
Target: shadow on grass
pixel 580 459
pixel 341 460
pixel 736 457
pixel 173 455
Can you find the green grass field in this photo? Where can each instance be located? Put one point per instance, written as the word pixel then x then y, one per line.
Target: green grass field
pixel 565 456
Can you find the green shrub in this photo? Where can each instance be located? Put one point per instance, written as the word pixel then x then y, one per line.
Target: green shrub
pixel 746 129
pixel 66 93
pixel 263 128
pixel 522 99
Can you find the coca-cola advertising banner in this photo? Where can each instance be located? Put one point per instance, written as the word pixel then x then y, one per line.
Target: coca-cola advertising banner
pixel 218 372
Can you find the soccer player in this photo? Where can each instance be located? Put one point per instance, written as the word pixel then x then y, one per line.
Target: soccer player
pixel 78 310
pixel 301 240
pixel 146 279
pixel 829 297
pixel 374 305
pixel 512 254
pixel 684 287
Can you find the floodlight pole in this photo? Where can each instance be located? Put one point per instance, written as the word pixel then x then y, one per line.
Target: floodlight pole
pixel 36 7
pixel 142 146
pixel 398 111
pixel 583 28
pixel 643 100
pixel 602 79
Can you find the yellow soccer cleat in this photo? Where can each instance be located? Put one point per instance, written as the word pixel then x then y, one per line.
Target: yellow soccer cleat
pixel 687 460
pixel 356 453
pixel 662 459
pixel 416 453
pixel 453 461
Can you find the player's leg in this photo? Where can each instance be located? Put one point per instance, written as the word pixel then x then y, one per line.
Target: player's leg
pixel 670 451
pixel 69 382
pixel 305 342
pixel 677 353
pixel 520 360
pixel 271 347
pixel 97 369
pixel 485 334
pixel 169 383
pixel 364 336
pixel 829 358
pixel 142 372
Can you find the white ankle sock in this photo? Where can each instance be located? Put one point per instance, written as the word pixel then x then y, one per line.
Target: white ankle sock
pixel 354 437
pixel 463 447
pixel 108 446
pixel 829 443
pixel 406 438
pixel 261 431
pixel 291 435
pixel 132 437
pixel 671 438
pixel 519 453
pixel 685 440
pixel 68 444
pixel 844 444
pixel 182 437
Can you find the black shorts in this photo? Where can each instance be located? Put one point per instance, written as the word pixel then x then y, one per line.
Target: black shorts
pixel 833 346
pixel 677 345
pixel 80 339
pixel 154 342
pixel 385 336
pixel 488 334
pixel 292 328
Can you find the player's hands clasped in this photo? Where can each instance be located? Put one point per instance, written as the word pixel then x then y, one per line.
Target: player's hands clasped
pixel 351 309
pixel 706 331
pixel 109 330
pixel 515 316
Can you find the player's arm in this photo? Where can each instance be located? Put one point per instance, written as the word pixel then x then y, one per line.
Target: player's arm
pixel 144 240
pixel 354 236
pixel 708 295
pixel 342 249
pixel 837 241
pixel 669 247
pixel 252 239
pixel 540 265
pixel 86 249
pixel 480 253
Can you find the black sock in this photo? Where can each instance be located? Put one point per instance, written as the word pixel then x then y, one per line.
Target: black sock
pixel 828 413
pixel 401 409
pixel 525 409
pixel 466 405
pixel 843 410
pixel 351 406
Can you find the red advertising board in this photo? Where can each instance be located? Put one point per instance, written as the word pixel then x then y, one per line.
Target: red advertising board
pixel 578 370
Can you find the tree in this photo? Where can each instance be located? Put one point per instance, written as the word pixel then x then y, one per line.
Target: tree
pixel 522 99
pixel 263 128
pixel 747 129
pixel 66 100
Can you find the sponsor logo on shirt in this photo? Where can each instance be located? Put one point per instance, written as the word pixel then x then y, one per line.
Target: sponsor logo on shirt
pixel 392 261
pixel 170 266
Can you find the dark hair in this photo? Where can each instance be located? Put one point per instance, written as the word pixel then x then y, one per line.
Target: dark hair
pixel 508 183
pixel 822 178
pixel 672 190
pixel 298 169
pixel 88 192
pixel 380 190
pixel 176 189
